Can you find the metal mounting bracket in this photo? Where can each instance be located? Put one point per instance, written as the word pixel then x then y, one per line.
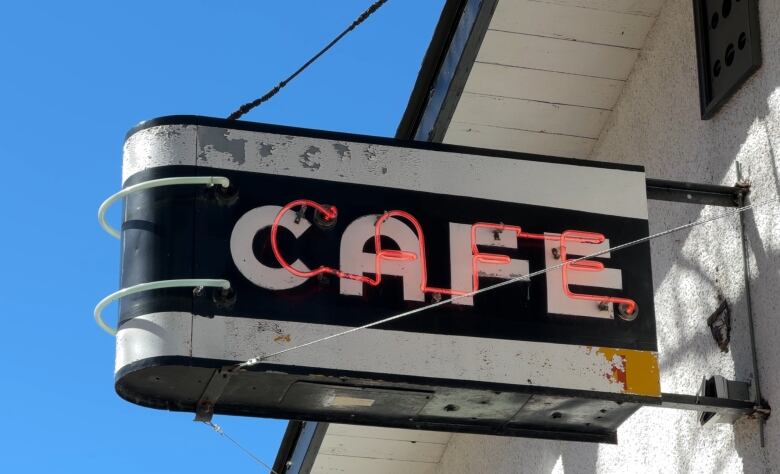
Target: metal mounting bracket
pixel 204 409
pixel 693 193
pixel 724 400
pixel 744 186
pixel 724 407
pixel 720 387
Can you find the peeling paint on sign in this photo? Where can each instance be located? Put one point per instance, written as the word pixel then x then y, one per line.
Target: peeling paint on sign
pixel 310 159
pixel 636 370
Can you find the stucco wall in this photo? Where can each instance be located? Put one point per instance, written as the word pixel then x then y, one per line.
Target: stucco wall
pixel 657 124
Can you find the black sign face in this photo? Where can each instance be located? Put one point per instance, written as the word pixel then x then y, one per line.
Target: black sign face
pixel 521 311
pixel 320 232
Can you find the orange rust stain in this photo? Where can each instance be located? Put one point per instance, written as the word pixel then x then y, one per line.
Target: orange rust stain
pixel 282 338
pixel 639 372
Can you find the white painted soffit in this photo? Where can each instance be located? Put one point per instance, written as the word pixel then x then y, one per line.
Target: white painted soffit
pixel 366 449
pixel 548 74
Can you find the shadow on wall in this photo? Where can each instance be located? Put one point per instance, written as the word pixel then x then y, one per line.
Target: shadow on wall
pixel 657 124
pixel 765 279
pixel 579 457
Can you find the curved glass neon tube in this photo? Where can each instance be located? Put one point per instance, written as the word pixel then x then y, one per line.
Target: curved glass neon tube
pixel 154 285
pixel 154 183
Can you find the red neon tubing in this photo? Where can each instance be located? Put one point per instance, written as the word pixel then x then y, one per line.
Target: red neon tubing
pixel 329 213
pixel 492 258
pixel 498 259
pixel 477 257
pixel 588 266
pixel 402 255
pixel 396 255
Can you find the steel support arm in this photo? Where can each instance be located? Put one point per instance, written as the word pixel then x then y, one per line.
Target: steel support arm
pixel 693 193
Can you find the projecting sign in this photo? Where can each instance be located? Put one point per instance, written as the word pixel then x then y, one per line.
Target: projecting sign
pixel 319 232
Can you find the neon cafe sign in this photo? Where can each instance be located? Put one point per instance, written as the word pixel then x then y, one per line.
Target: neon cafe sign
pixel 318 232
pixel 468 262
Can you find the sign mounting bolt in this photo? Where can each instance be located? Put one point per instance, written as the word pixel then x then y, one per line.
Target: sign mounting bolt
pixel 299 214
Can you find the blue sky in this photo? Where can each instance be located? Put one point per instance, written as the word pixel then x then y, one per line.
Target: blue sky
pixel 75 77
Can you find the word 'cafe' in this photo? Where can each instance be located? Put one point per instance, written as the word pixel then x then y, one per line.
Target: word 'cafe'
pixel 468 262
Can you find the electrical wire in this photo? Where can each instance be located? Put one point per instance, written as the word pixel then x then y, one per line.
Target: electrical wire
pixel 257 360
pixel 251 105
pixel 218 429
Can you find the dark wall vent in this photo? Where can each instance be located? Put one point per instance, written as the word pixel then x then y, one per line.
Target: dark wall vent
pixel 728 47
